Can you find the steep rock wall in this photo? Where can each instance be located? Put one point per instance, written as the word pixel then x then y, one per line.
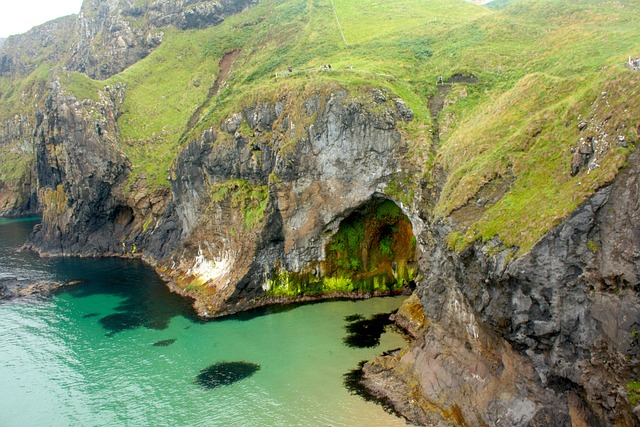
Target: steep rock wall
pixel 80 169
pixel 243 206
pixel 298 192
pixel 547 339
pixel 18 190
pixel 114 34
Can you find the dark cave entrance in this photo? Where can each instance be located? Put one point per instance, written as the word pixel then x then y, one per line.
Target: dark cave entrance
pixel 374 248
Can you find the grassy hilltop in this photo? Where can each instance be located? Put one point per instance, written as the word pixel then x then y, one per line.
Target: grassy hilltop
pixel 541 66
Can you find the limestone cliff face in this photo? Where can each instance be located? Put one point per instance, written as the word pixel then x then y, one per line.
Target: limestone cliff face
pixel 79 169
pixel 114 34
pixel 244 207
pixel 547 339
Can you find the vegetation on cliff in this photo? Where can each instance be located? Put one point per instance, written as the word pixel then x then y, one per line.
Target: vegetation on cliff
pixel 294 149
pixel 541 66
pixel 373 251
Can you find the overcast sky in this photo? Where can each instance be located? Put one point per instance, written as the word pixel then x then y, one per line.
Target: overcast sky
pixel 19 16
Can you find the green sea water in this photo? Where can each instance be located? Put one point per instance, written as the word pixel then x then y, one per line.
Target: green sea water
pixel 86 356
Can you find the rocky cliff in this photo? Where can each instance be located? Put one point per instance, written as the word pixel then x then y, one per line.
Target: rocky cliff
pixel 557 322
pixel 47 43
pixel 242 210
pixel 115 34
pixel 509 200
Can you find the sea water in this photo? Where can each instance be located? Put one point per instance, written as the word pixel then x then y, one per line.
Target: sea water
pixel 120 349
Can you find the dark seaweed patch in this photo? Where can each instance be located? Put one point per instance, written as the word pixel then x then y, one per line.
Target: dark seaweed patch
pixel 365 333
pixel 90 315
pixel 119 322
pixel 225 373
pixel 353 317
pixel 353 382
pixel 145 300
pixel 164 343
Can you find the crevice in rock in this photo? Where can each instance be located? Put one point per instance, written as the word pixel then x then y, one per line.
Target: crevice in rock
pixel 436 101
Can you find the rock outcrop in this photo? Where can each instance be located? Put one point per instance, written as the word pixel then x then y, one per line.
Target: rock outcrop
pixel 80 169
pixel 12 288
pixel 114 34
pixel 48 43
pixel 209 234
pixel 242 209
pixel 546 339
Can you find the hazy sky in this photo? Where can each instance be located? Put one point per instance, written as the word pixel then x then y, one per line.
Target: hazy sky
pixel 19 16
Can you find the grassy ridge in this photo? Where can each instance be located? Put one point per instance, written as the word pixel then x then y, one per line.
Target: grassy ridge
pixel 568 54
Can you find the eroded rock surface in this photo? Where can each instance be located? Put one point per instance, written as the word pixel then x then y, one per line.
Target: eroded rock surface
pixel 547 339
pixel 340 162
pixel 242 208
pixel 12 288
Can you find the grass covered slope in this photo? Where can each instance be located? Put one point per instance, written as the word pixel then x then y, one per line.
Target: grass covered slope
pixel 566 86
pixel 510 139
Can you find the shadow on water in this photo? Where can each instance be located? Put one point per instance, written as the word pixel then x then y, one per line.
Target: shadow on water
pixel 276 308
pixel 164 343
pixel 354 383
pixel 245 316
pixel 145 301
pixel 365 333
pixel 225 373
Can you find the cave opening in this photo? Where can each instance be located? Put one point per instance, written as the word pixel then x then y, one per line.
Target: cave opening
pixel 372 251
pixel 374 248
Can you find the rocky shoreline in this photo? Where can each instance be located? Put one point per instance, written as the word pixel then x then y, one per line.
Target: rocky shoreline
pixel 251 304
pixel 13 288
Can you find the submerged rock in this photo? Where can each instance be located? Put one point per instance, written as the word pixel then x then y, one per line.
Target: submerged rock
pixel 164 343
pixel 365 333
pixel 225 373
pixel 353 382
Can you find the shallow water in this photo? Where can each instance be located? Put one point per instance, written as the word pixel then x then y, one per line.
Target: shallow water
pixel 119 349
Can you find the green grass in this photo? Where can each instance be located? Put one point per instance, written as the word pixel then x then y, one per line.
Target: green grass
pixel 251 200
pixel 15 164
pixel 527 135
pixel 633 389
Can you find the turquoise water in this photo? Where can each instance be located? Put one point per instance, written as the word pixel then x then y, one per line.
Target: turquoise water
pixel 86 357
